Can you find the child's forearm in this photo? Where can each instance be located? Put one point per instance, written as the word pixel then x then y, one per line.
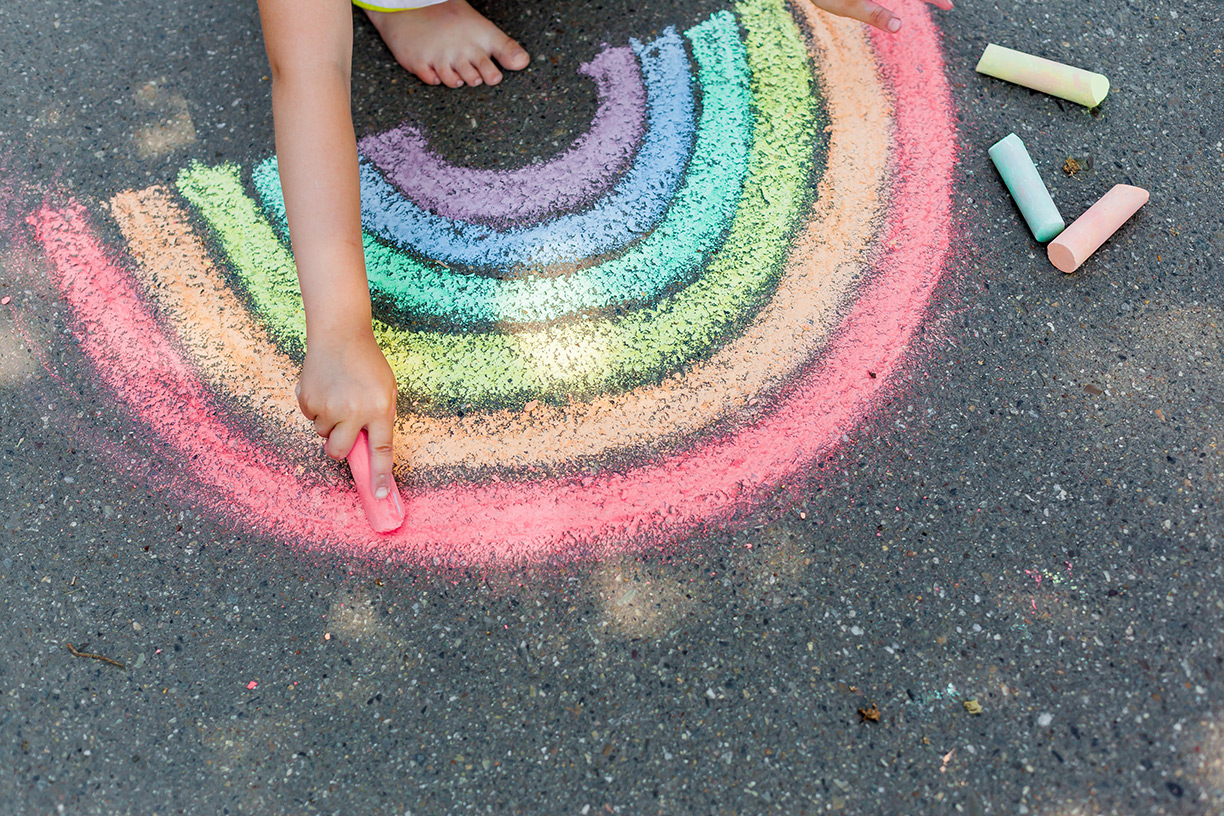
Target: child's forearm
pixel 346 386
pixel 317 155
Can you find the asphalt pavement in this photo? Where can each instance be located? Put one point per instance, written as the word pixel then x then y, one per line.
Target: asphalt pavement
pixel 1001 591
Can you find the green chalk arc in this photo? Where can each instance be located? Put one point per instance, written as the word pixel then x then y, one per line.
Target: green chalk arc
pixel 446 372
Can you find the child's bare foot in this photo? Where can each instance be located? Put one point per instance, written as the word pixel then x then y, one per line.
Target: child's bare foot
pixel 449 43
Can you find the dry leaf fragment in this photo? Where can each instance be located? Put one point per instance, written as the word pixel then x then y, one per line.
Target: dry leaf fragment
pixel 869 714
pixel 973 706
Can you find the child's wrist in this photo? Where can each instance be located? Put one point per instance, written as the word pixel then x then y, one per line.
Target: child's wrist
pixel 338 332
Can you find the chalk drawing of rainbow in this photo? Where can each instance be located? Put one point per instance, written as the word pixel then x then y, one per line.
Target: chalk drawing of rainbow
pixel 612 347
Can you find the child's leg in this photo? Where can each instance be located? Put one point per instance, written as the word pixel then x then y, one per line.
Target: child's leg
pixel 449 42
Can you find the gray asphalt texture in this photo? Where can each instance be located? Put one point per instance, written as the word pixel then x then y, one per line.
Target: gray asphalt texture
pixel 1032 523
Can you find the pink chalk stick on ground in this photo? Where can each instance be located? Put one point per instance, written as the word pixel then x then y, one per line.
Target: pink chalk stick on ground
pixel 385 515
pixel 1084 237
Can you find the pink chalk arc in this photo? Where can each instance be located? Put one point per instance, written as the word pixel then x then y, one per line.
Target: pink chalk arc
pixel 674 495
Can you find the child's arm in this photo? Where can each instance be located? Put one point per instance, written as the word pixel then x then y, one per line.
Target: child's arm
pixel 346 383
pixel 871 13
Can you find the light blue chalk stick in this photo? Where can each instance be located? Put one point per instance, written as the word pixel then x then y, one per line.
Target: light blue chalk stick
pixel 1031 195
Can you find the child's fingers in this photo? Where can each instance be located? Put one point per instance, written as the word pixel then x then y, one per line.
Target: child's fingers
pixel 302 406
pixel 867 12
pixel 323 426
pixel 382 457
pixel 946 5
pixel 341 440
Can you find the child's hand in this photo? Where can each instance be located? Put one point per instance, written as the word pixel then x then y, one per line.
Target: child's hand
pixel 347 385
pixel 871 13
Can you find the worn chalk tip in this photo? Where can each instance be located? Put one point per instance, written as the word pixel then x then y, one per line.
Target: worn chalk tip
pixel 1048 230
pixel 1098 88
pixel 1062 257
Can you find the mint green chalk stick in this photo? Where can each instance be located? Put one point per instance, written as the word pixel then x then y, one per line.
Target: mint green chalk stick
pixel 1030 193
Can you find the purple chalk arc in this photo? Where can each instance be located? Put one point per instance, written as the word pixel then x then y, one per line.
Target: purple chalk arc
pixel 569 180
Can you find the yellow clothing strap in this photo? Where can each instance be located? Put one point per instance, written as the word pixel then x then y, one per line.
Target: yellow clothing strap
pixel 404 5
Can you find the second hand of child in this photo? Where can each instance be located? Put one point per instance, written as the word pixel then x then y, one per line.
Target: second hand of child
pixel 871 13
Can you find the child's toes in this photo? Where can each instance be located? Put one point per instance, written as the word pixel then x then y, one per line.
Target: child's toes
pixel 469 74
pixel 488 71
pixel 426 74
pixel 448 76
pixel 511 55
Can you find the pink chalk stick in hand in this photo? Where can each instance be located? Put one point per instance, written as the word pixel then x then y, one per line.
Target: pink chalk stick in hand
pixel 385 515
